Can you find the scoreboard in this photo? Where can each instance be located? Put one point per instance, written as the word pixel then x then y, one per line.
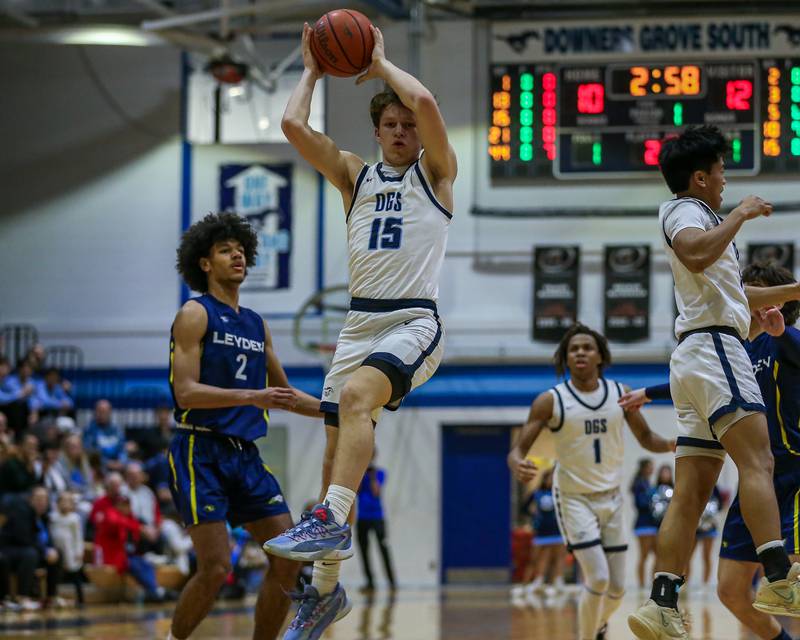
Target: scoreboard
pixel 593 118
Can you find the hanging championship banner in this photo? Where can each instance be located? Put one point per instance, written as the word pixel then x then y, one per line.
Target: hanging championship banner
pixel 781 253
pixel 627 293
pixel 262 193
pixel 555 290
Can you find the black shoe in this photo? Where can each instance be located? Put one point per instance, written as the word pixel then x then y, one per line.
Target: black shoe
pixel 601 635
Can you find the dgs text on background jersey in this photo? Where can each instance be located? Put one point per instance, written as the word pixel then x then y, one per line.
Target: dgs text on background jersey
pixel 232 356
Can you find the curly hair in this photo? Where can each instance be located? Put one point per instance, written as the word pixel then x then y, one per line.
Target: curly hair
pixel 198 240
pixel 560 355
pixel 769 274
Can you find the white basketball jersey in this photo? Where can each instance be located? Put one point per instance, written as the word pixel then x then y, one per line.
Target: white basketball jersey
pixel 587 429
pixel 396 234
pixel 714 297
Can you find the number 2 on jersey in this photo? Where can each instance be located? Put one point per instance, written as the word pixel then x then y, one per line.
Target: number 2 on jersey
pixel 597 450
pixel 387 237
pixel 242 360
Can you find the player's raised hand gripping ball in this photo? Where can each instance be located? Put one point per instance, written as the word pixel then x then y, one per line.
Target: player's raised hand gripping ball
pixel 342 42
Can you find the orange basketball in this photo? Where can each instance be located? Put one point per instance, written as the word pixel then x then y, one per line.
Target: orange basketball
pixel 342 42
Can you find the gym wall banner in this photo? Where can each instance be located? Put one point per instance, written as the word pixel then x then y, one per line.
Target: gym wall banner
pixel 627 292
pixel 781 253
pixel 555 290
pixel 262 193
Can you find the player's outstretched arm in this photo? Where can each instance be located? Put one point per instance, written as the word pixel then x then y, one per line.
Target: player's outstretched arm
pixel 643 434
pixel 339 167
pixel 307 405
pixel 439 158
pixel 787 339
pixel 698 249
pixel 760 297
pixel 187 333
pixel 538 417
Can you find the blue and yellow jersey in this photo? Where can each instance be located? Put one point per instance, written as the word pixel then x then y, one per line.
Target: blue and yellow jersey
pixel 776 364
pixel 232 356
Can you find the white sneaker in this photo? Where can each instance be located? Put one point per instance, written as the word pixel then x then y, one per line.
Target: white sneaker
pixel 781 597
pixel 653 622
pixel 27 604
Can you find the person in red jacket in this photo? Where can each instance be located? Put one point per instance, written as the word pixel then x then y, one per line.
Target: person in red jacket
pixel 117 533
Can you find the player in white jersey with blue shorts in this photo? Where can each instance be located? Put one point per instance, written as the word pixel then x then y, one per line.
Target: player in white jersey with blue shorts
pixel 716 397
pixel 397 213
pixel 587 425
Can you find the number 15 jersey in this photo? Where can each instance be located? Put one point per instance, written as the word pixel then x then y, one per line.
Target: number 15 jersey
pixel 587 429
pixel 396 234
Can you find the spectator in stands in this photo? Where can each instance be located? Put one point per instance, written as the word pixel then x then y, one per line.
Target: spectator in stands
pixel 67 531
pixel 144 506
pixel 159 475
pixel 6 604
pixel 371 518
pixel 6 436
pixel 177 543
pixel 35 356
pixel 14 397
pixel 22 470
pixel 103 435
pixel 114 527
pixel 50 397
pixel 27 544
pixel 52 475
pixel 165 422
pixel 74 465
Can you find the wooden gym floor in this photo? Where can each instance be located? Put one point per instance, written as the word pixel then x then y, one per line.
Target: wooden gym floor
pixel 449 614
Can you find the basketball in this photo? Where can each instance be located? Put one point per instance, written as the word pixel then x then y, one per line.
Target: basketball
pixel 342 42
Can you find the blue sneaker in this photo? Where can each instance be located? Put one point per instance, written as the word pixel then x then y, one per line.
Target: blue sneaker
pixel 316 537
pixel 316 613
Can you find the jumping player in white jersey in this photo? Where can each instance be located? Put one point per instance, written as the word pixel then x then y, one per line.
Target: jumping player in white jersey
pixel 397 215
pixel 587 425
pixel 715 393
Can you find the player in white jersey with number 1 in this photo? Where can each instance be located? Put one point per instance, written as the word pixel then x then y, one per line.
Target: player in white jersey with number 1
pixel 587 425
pixel 397 214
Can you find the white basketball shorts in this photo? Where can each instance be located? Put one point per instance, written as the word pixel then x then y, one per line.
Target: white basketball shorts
pixel 589 519
pixel 712 384
pixel 402 338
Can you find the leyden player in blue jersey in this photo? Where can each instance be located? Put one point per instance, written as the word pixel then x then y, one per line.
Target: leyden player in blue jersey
pixel 225 377
pixel 774 349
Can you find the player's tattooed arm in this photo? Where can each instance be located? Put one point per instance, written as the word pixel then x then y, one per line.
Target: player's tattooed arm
pixel 539 415
pixel 187 333
pixel 439 158
pixel 320 151
pixel 305 404
pixel 647 438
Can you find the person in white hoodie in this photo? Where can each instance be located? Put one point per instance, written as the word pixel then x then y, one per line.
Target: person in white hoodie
pixel 67 532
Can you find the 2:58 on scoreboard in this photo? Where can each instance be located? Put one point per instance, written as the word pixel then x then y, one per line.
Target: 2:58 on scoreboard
pixel 609 120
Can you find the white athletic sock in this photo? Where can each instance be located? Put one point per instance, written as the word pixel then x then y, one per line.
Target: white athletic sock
pixel 589 608
pixel 666 574
pixel 325 576
pixel 340 500
pixel 610 604
pixel 769 545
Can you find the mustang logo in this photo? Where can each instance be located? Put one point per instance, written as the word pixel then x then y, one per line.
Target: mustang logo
pixel 792 33
pixel 519 41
